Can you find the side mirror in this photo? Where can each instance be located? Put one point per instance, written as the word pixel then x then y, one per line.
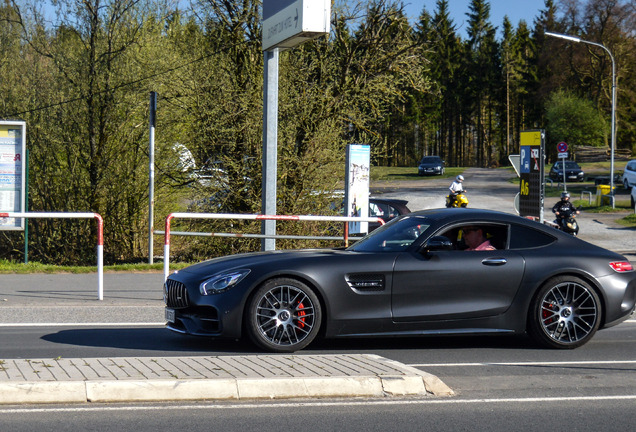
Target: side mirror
pixel 438 243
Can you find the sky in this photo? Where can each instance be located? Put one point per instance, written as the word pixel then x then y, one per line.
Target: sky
pixel 516 10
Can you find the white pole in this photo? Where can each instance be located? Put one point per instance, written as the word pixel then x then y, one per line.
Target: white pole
pixel 166 261
pixel 100 272
pixel 151 181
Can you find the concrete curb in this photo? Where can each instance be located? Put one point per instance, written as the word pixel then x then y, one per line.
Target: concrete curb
pixel 219 389
pixel 239 378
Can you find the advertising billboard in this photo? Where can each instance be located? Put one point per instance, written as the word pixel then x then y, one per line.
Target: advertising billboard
pixel 12 172
pixel 357 186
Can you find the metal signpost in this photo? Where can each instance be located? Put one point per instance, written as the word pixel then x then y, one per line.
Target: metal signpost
pixel 562 148
pixel 151 171
pixel 286 23
pixel 532 182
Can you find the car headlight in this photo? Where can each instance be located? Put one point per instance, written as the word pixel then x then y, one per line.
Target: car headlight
pixel 222 281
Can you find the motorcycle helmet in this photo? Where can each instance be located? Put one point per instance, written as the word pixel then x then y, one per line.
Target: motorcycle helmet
pixel 459 178
pixel 565 195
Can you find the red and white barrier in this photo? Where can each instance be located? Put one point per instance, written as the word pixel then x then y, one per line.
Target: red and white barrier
pixel 100 236
pixel 166 249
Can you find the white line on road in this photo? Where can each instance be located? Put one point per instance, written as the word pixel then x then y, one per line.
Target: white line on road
pixel 562 363
pixel 286 405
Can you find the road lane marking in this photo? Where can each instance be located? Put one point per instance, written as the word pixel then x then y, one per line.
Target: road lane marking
pixel 560 363
pixel 285 405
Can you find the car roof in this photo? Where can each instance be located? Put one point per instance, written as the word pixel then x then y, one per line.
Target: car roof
pixel 389 201
pixel 445 215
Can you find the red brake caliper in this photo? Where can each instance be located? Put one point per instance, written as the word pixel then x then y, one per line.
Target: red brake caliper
pixel 547 307
pixel 301 314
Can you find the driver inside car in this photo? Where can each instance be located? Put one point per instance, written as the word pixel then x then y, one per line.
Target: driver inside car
pixel 476 240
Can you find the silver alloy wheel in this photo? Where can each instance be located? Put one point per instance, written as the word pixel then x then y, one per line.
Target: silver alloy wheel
pixel 569 313
pixel 285 315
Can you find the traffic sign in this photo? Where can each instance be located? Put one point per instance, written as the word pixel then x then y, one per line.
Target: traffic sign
pixel 287 23
pixel 562 147
pixel 563 155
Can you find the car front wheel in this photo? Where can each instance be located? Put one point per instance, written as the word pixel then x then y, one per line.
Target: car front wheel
pixel 565 313
pixel 283 315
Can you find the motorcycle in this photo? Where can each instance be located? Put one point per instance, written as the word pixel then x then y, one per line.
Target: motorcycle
pixel 566 221
pixel 461 200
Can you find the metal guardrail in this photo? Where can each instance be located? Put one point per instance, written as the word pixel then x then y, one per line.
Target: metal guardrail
pixel 64 215
pixel 589 196
pixel 226 216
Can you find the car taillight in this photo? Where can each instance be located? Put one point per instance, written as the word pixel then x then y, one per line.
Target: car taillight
pixel 621 266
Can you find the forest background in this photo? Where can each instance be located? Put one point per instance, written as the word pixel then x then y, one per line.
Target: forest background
pixel 80 73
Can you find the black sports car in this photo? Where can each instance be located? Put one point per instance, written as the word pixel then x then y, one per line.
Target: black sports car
pixel 412 276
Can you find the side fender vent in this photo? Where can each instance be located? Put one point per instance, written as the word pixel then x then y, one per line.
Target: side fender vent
pixel 366 281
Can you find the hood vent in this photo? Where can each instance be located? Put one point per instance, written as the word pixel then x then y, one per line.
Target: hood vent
pixel 366 281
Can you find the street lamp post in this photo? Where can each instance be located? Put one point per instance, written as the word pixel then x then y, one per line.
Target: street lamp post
pixel 613 146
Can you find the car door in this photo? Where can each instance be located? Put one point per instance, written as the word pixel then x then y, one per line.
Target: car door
pixel 454 284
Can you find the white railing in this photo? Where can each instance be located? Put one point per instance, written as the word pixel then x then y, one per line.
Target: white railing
pixel 61 215
pixel 227 216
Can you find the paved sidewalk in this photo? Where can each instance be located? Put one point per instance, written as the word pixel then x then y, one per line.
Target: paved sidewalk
pixel 211 378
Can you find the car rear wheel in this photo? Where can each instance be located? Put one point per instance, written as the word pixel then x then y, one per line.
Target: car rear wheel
pixel 565 313
pixel 284 315
pixel 626 184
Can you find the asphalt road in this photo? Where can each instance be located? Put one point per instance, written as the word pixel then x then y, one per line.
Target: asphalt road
pixel 493 415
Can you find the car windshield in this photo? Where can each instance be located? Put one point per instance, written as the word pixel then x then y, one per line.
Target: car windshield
pixel 430 160
pixel 395 236
pixel 568 165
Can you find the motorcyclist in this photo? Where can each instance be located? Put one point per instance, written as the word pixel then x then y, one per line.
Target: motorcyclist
pixel 455 189
pixel 564 206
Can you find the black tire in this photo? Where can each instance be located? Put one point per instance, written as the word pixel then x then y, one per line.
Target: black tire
pixel 565 313
pixel 464 205
pixel 626 185
pixel 283 316
pixel 633 203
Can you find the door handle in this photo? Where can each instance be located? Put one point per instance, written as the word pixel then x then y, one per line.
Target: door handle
pixel 494 261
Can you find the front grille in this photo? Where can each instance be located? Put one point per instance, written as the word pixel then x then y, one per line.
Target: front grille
pixel 176 294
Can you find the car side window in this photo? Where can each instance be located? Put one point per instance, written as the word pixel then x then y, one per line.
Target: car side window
pixel 392 211
pixel 522 237
pixel 375 210
pixel 496 234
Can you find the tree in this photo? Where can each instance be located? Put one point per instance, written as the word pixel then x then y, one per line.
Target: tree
pixel 87 149
pixel 573 120
pixel 483 65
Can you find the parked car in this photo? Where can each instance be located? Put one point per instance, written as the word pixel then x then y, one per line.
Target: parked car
pixel 629 175
pixel 573 171
pixel 431 165
pixel 387 209
pixel 413 276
